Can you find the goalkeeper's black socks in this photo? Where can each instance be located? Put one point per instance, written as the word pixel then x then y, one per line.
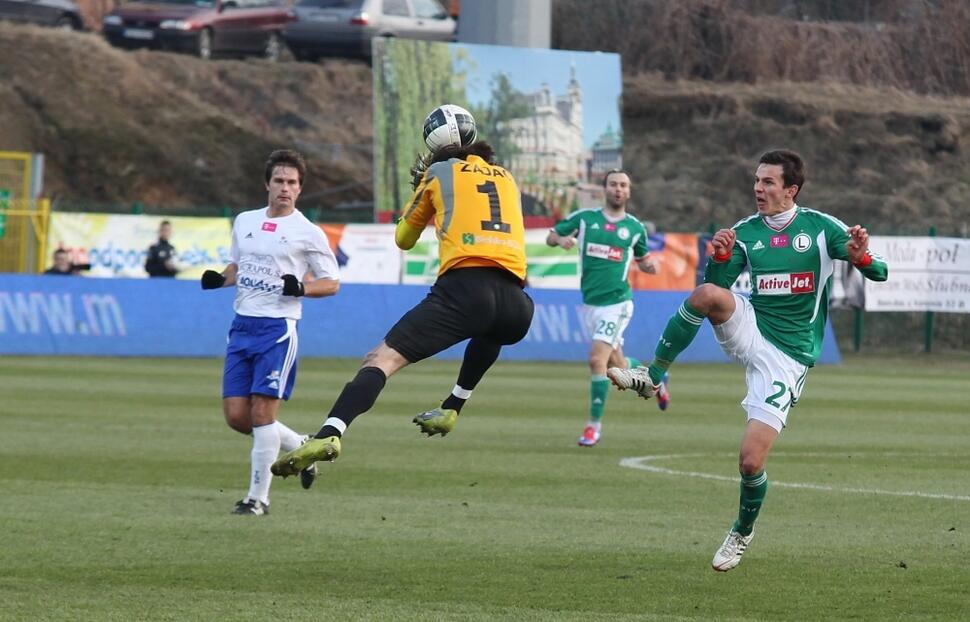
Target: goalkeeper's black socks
pixel 480 354
pixel 357 398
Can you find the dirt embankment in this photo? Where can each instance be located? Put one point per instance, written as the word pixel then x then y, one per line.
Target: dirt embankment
pixel 171 130
pixel 167 129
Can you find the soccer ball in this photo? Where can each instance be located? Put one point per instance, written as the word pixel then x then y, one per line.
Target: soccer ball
pixel 449 125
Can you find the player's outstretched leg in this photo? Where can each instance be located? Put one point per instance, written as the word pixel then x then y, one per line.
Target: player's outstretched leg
pixel 480 355
pixel 314 450
pixel 437 421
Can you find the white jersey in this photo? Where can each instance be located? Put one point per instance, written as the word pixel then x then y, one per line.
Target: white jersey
pixel 264 249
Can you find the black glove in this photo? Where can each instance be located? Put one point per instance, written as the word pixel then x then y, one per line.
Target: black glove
pixel 212 280
pixel 292 286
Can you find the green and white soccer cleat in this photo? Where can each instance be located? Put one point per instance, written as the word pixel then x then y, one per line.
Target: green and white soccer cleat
pixel 437 421
pixel 314 450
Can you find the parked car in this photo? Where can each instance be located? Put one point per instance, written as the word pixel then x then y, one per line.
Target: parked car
pixel 205 28
pixel 58 13
pixel 345 27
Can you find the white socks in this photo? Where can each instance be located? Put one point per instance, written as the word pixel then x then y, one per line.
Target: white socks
pixel 266 446
pixel 289 440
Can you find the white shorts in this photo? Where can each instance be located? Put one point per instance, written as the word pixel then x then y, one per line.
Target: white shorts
pixel 607 324
pixel 775 380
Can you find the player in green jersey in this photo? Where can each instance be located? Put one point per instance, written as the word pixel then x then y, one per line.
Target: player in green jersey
pixel 609 239
pixel 777 334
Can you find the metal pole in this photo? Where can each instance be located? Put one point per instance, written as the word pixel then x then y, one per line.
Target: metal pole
pixel 928 333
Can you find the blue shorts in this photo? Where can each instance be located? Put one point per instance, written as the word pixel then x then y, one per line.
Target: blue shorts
pixel 260 357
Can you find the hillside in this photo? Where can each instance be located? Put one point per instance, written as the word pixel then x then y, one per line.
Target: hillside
pixel 170 130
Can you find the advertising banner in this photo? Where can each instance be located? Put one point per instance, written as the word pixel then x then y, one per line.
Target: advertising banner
pixel 676 254
pixel 116 244
pixel 46 315
pixel 552 117
pixel 365 253
pixel 925 274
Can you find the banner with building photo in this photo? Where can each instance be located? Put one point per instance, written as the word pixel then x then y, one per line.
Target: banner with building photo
pixel 552 116
pixel 925 274
pixel 116 244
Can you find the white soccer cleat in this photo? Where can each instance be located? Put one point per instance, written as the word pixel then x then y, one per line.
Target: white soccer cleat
pixel 729 555
pixel 636 378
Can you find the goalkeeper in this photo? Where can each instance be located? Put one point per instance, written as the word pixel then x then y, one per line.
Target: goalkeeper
pixel 478 295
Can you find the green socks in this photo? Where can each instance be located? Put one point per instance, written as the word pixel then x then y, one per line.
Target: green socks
pixel 599 387
pixel 753 490
pixel 681 330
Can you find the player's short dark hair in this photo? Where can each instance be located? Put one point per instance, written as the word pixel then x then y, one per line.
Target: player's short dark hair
pixel 616 171
pixel 59 251
pixel 165 222
pixel 285 157
pixel 792 166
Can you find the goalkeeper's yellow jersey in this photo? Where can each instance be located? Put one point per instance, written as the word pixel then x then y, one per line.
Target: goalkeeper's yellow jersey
pixel 477 213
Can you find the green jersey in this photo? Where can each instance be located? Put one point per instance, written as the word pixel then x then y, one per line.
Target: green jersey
pixel 606 248
pixel 791 270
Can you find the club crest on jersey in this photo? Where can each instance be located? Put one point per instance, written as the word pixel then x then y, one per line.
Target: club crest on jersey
pixel 786 283
pixel 779 241
pixel 623 233
pixel 802 242
pixel 604 251
pixel 269 226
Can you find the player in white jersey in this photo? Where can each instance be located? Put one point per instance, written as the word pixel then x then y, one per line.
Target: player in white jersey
pixel 278 256
pixel 777 334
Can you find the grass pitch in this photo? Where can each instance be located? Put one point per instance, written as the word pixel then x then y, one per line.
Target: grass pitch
pixel 118 476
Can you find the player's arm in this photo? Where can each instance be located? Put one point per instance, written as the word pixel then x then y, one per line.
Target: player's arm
pixel 641 254
pixel 419 212
pixel 857 252
pixel 214 280
pixel 563 234
pixel 728 260
pixel 562 241
pixel 322 277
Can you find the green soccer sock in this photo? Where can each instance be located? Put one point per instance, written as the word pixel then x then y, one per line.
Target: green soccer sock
pixel 599 387
pixel 632 362
pixel 753 490
pixel 680 331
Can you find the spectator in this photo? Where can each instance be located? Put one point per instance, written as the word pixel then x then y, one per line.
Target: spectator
pixel 161 255
pixel 64 266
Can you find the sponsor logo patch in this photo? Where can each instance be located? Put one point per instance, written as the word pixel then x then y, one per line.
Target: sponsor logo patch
pixel 779 241
pixel 269 226
pixel 604 251
pixel 783 284
pixel 609 226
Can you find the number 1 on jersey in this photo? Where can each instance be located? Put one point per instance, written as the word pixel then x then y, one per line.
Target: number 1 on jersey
pixel 495 210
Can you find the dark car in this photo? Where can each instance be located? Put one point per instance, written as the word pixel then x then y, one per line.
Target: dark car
pixel 205 28
pixel 58 13
pixel 345 27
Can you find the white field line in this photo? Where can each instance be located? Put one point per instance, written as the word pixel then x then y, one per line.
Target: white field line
pixel 641 463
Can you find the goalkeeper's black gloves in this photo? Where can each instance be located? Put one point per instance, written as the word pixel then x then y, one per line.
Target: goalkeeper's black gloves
pixel 212 280
pixel 292 286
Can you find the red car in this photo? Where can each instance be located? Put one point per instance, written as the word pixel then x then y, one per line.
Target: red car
pixel 205 28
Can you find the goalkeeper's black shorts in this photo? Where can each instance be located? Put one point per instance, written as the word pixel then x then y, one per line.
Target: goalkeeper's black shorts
pixel 464 303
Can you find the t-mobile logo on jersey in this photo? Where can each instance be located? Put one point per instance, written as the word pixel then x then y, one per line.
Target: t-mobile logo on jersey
pixel 782 284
